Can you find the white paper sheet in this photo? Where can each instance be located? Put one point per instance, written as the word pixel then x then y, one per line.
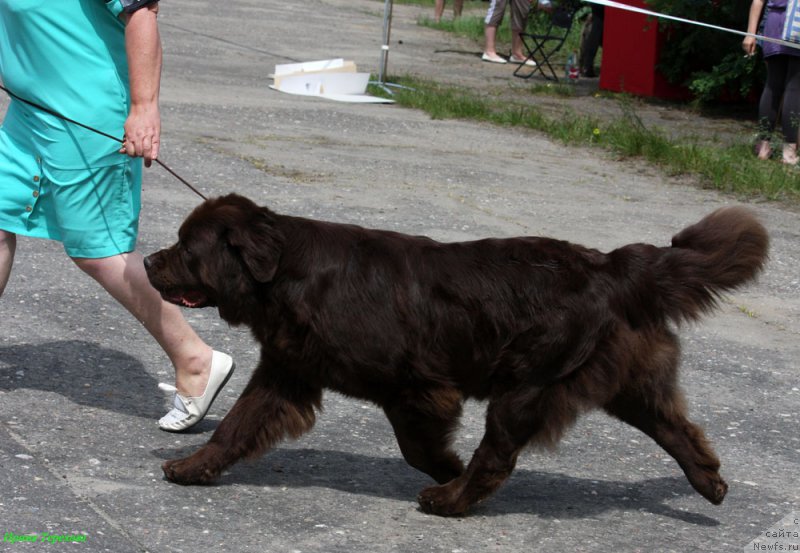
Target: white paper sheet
pixel 312 79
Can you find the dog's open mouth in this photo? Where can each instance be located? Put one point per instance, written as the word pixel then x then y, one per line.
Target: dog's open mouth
pixel 187 298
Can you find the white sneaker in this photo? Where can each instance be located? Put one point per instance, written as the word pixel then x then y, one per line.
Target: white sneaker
pixel 528 62
pixel 188 411
pixel 493 58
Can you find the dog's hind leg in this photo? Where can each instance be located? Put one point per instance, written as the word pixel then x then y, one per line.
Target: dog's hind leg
pixel 678 436
pixel 265 414
pixel 424 423
pixel 657 408
pixel 513 420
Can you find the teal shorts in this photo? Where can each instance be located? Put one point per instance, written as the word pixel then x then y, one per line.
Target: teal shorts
pixel 93 211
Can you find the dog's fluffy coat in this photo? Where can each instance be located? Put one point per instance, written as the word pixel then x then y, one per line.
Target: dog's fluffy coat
pixel 541 328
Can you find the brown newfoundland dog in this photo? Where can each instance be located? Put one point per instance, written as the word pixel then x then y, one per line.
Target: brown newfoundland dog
pixel 543 329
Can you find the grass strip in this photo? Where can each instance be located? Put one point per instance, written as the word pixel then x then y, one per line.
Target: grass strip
pixel 729 168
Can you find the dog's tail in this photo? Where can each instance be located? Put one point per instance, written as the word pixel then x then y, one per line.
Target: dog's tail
pixel 722 252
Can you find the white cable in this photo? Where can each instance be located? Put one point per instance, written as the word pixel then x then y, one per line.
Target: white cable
pixel 612 4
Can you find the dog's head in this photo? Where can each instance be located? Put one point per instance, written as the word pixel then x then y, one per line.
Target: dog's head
pixel 227 247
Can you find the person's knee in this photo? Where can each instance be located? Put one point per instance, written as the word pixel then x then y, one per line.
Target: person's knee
pixel 92 267
pixel 8 240
pixel 111 272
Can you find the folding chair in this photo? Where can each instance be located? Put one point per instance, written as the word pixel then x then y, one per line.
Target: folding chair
pixel 542 45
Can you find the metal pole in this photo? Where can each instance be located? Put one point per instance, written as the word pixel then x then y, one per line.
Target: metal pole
pixel 384 61
pixel 387 29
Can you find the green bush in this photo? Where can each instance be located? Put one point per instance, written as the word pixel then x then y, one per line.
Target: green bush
pixel 709 62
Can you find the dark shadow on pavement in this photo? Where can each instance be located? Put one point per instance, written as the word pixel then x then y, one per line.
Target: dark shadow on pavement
pixel 547 495
pixel 85 373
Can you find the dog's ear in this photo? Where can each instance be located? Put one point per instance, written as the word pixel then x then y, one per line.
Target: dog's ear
pixel 259 243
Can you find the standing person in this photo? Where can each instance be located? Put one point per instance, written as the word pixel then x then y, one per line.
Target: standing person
pixel 519 18
pixel 783 81
pixel 592 40
pixel 438 9
pixel 97 62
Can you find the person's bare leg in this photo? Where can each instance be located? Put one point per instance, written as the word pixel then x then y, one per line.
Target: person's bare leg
pixel 458 7
pixel 124 277
pixel 438 10
pixel 490 34
pixel 516 45
pixel 8 245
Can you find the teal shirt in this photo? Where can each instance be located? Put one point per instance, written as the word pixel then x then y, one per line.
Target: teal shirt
pixel 67 55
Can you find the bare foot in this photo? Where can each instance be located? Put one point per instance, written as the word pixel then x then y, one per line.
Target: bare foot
pixel 763 149
pixel 790 154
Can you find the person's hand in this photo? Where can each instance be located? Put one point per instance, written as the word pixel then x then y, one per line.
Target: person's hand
pixel 749 45
pixel 142 133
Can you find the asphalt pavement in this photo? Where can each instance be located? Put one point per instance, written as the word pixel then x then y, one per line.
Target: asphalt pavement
pixel 79 447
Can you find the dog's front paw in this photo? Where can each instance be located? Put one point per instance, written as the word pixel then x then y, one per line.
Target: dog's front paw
pixel 442 500
pixel 716 490
pixel 191 470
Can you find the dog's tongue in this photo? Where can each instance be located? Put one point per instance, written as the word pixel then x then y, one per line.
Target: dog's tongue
pixel 193 298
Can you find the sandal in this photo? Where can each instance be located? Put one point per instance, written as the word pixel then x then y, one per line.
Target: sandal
pixel 188 411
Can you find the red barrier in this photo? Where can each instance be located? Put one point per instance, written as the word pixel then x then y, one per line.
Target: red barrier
pixel 631 46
